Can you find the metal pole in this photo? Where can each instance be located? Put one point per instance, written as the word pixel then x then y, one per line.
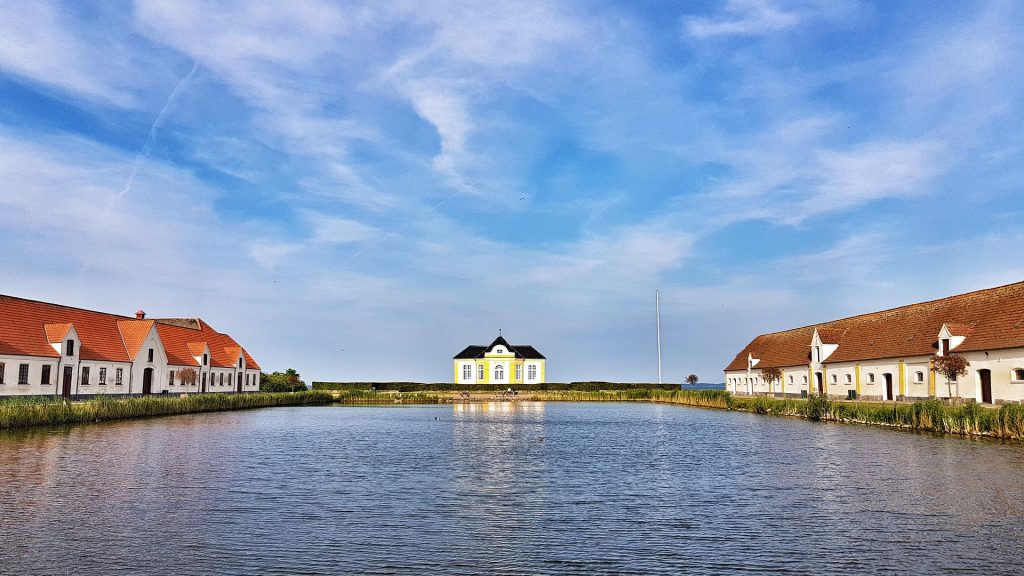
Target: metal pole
pixel 657 311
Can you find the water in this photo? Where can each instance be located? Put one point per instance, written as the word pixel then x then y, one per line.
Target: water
pixel 524 488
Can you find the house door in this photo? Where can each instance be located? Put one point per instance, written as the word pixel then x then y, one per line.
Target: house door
pixel 147 381
pixel 888 387
pixel 203 389
pixel 986 385
pixel 821 383
pixel 239 381
pixel 69 374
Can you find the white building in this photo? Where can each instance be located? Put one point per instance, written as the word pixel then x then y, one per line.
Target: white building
pixel 49 349
pixel 890 354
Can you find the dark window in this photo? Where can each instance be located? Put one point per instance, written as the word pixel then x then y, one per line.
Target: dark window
pixel 239 362
pixel 221 378
pixel 23 374
pixel 206 359
pixel 229 379
pixel 2 365
pixel 44 377
pixel 103 377
pixel 150 354
pixel 70 347
pixel 944 347
pixel 85 375
pixel 204 379
pixel 1018 374
pixel 170 378
pixel 118 376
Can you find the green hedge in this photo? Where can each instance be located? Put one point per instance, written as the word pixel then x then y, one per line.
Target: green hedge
pixel 448 387
pixel 39 411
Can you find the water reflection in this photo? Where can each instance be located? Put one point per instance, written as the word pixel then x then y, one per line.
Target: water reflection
pixel 505 487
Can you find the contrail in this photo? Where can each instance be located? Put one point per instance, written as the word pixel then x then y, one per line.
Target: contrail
pixel 144 152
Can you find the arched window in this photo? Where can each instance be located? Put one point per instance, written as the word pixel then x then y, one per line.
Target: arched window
pixel 805 379
pixel 499 372
pixel 849 379
pixel 835 379
pixel 791 379
pixel 871 378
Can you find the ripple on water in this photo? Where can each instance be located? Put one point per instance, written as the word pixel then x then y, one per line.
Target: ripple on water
pixel 611 489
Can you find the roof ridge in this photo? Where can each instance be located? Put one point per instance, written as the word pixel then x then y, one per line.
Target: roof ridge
pixel 69 307
pixel 894 309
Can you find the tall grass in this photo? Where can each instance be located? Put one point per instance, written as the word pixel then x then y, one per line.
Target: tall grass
pixel 20 413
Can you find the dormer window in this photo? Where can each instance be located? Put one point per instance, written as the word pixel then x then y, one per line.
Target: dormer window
pixel 206 359
pixel 69 346
pixel 817 354
pixel 943 346
pixel 239 362
pixel 150 354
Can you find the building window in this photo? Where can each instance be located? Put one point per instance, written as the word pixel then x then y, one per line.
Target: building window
pixel 23 374
pixel 480 372
pixel 835 379
pixel 206 359
pixel 499 372
pixel 805 379
pixel 918 376
pixel 467 371
pixel 70 347
pixel 791 379
pixel 229 378
pixel 1018 373
pixel 944 347
pixel 531 372
pixel 871 378
pixel 170 378
pixel 118 375
pixel 204 380
pixel 2 365
pixel 85 375
pixel 150 354
pixel 221 378
pixel 103 377
pixel 44 377
pixel 849 379
pixel 519 371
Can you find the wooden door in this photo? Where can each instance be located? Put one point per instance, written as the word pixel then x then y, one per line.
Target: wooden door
pixel 888 387
pixel 69 375
pixel 986 385
pixel 239 385
pixel 147 381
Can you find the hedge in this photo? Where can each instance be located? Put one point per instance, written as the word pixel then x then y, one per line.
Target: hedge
pixel 448 387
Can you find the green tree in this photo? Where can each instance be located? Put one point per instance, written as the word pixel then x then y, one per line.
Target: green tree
pixel 287 381
pixel 692 379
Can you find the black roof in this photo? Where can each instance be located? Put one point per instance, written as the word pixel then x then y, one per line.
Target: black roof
pixel 520 350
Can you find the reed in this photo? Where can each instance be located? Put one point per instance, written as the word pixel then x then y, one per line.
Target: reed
pixel 21 413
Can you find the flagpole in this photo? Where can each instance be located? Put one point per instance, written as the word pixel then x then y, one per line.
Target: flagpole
pixel 657 311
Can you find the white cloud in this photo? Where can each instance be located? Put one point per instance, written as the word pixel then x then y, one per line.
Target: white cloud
pixel 762 17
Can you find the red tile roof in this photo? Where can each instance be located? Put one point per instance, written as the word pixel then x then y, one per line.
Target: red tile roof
pixel 27 327
pixel 991 319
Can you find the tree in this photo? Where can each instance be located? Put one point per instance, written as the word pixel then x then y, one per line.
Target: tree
pixel 771 376
pixel 951 366
pixel 692 380
pixel 287 381
pixel 188 376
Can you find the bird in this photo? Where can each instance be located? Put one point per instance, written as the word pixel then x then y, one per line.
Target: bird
pixel 541 438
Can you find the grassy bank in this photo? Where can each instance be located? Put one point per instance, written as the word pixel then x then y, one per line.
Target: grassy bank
pixel 924 416
pixel 20 413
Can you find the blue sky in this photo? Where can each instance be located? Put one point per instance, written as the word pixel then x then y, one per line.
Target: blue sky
pixel 361 190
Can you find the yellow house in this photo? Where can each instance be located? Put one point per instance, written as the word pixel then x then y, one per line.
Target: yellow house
pixel 499 363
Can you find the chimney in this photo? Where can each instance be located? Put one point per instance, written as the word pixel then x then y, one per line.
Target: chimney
pixel 140 315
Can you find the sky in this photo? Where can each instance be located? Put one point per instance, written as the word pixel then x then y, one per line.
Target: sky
pixel 360 190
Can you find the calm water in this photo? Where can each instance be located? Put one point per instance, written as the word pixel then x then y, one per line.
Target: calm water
pixel 612 488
